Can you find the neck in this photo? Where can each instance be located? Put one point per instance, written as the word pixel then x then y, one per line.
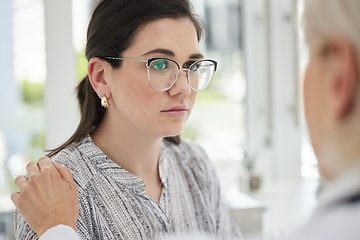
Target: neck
pixel 133 151
pixel 340 150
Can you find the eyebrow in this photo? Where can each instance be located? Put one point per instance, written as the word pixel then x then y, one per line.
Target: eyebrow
pixel 171 53
pixel 196 56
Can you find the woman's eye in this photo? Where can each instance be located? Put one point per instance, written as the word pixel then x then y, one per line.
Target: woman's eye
pixel 187 65
pixel 195 67
pixel 159 65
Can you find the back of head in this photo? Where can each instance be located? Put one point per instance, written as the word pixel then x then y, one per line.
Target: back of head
pixel 332 28
pixel 326 18
pixel 112 28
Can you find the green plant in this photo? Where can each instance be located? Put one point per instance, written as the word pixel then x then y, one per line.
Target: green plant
pixel 32 92
pixel 248 161
pixel 38 140
pixel 81 65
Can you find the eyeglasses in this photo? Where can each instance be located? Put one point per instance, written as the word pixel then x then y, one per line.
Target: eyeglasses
pixel 163 72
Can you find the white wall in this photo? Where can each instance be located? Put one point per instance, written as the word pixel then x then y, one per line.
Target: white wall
pixel 9 96
pixel 273 87
pixel 60 101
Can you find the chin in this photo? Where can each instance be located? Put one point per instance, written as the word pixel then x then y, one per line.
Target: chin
pixel 173 132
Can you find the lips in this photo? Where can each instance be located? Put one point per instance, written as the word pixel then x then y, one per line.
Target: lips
pixel 177 109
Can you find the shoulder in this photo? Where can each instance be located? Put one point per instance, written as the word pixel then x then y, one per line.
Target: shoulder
pixel 338 220
pixel 76 157
pixel 338 224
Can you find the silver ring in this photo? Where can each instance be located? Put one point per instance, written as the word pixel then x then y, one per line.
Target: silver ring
pixel 26 176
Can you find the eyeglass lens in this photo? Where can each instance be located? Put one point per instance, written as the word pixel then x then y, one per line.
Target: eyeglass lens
pixel 163 73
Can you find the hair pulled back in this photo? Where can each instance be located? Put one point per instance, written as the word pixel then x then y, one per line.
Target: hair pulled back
pixel 112 28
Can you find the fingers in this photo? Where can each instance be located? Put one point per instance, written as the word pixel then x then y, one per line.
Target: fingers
pixel 57 166
pixel 14 198
pixel 45 162
pixel 20 181
pixel 46 166
pixel 64 172
pixel 32 168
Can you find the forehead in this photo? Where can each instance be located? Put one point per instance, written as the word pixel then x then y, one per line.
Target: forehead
pixel 178 35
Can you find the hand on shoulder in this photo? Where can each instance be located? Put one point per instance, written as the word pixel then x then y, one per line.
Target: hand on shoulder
pixel 47 196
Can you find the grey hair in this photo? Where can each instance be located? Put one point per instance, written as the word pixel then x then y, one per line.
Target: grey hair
pixel 326 18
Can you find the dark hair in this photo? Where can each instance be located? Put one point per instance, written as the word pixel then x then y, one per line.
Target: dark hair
pixel 111 30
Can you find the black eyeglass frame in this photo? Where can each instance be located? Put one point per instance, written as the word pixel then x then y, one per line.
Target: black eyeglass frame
pixel 150 60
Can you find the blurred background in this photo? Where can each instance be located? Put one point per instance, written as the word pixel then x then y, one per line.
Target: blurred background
pixel 249 119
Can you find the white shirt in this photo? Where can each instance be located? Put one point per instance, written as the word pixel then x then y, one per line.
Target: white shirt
pixel 113 203
pixel 337 216
pixel 62 232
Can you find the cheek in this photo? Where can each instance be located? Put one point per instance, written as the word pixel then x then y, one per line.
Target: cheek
pixel 127 100
pixel 309 108
pixel 314 103
pixel 306 91
pixel 311 100
pixel 132 87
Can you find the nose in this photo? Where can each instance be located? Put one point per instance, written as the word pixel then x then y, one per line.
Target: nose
pixel 181 85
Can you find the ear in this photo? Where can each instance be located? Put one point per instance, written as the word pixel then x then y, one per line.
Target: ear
pixel 97 72
pixel 345 69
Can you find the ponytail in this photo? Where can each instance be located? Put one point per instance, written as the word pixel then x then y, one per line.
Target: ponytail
pixel 91 114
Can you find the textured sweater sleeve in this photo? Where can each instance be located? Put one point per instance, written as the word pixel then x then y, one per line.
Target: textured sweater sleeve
pixel 21 229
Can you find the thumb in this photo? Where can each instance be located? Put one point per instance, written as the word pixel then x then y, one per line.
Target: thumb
pixel 64 172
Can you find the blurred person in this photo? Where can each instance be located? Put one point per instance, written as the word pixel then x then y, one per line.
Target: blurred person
pixel 135 177
pixel 331 93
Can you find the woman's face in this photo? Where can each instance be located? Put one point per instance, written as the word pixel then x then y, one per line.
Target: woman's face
pixel 134 103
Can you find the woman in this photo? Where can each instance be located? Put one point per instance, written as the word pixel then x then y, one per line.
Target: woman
pixel 135 178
